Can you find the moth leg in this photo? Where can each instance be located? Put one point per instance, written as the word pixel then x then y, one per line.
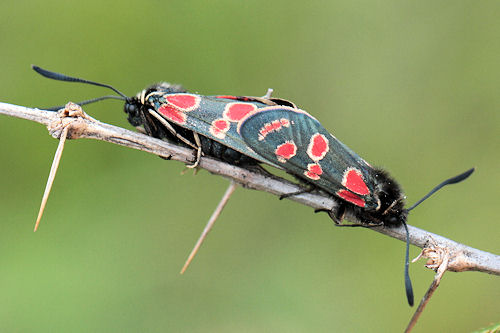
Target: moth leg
pixel 338 216
pixel 364 225
pixel 258 168
pixel 171 129
pixel 309 189
pixel 198 151
pixel 196 145
pixel 146 123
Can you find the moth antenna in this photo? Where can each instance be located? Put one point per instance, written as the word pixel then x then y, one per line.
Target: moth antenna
pixel 62 77
pixel 408 287
pixel 88 101
pixel 210 224
pixel 453 180
pixel 52 175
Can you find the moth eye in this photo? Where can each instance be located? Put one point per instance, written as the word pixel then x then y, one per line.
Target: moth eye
pixel 130 109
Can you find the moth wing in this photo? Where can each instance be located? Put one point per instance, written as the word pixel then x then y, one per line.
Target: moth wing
pixel 215 117
pixel 296 141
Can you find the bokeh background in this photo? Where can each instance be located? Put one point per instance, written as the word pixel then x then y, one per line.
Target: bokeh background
pixel 410 86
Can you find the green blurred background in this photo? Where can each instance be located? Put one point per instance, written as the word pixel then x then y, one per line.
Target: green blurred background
pixel 410 86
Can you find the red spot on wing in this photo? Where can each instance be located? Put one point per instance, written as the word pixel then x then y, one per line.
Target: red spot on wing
pixel 318 147
pixel 273 126
pixel 184 102
pixel 219 127
pixel 353 180
pixel 236 111
pixel 285 122
pixel 173 114
pixel 285 151
pixel 314 171
pixel 351 197
pixel 227 97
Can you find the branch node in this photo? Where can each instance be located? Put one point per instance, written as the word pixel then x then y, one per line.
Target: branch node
pixel 70 117
pixel 434 253
pixel 455 258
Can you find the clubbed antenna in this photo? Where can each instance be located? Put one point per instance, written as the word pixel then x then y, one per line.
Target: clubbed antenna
pixel 408 287
pixel 453 180
pixel 62 77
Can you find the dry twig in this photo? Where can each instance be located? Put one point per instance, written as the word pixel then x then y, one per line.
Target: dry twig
pixel 461 257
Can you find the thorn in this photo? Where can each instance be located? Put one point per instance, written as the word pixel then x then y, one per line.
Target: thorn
pixel 52 175
pixel 210 224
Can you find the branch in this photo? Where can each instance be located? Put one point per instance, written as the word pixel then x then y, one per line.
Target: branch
pixel 80 125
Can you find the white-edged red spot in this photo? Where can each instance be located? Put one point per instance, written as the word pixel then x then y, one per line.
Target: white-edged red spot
pixel 285 122
pixel 237 110
pixel 314 171
pixel 227 96
pixel 267 109
pixel 183 102
pixel 351 197
pixel 285 151
pixel 273 126
pixel 219 128
pixel 173 114
pixel 353 180
pixel 318 147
